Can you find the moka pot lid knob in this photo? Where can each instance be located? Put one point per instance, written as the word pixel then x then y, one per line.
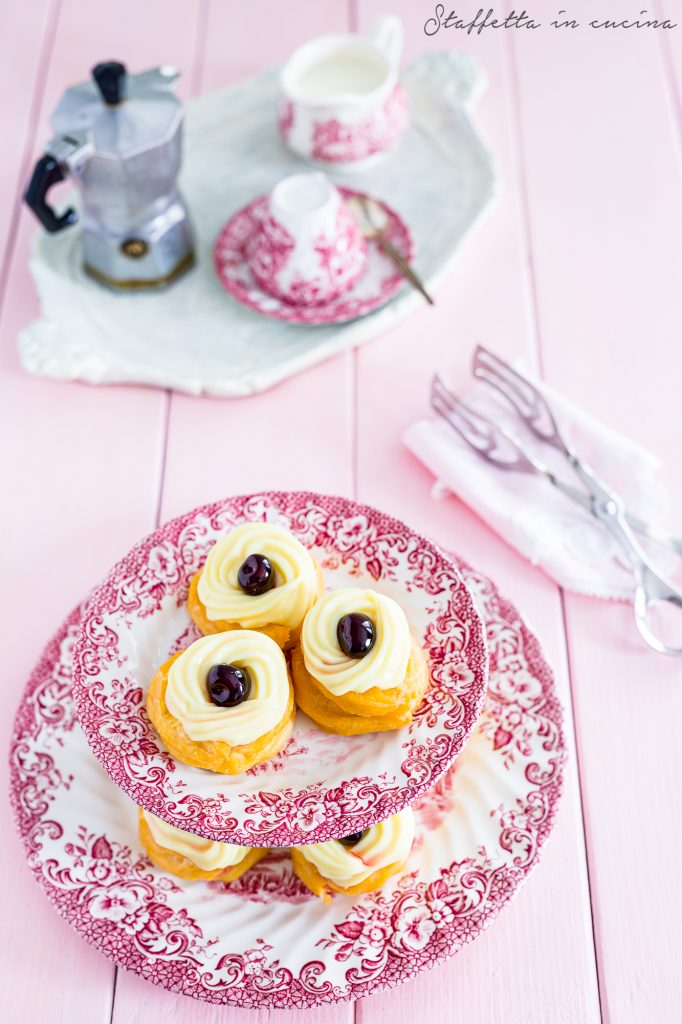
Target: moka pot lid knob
pixel 112 81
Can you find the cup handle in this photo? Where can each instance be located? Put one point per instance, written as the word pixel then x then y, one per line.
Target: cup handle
pixel 387 33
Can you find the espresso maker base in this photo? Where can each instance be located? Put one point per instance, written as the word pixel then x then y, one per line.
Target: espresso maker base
pixel 142 284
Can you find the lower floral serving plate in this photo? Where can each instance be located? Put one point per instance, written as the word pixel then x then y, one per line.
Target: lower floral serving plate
pixel 264 941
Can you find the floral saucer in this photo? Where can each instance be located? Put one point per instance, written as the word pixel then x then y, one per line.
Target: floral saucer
pixel 265 941
pixel 377 285
pixel 320 786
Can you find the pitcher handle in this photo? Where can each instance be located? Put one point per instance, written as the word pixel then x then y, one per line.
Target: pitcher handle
pixel 387 33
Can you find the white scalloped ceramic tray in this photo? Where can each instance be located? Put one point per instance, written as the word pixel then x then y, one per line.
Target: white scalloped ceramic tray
pixel 194 337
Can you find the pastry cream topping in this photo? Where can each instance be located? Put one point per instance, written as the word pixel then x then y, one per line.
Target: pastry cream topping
pixel 387 843
pixel 386 663
pixel 207 855
pixel 187 694
pixel 296 579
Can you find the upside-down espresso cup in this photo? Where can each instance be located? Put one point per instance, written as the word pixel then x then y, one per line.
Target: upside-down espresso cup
pixel 309 248
pixel 340 99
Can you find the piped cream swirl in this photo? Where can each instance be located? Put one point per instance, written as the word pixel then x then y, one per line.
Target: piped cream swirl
pixel 187 693
pixel 296 578
pixel 207 855
pixel 385 665
pixel 387 843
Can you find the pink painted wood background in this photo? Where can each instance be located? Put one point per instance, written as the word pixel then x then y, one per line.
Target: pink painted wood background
pixel 580 271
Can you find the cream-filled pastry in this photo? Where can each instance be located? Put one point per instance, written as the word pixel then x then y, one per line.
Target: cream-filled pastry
pixel 225 702
pixel 354 640
pixel 189 856
pixel 357 863
pixel 357 668
pixel 259 576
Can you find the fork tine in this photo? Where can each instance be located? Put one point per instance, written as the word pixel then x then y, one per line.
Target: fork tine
pixel 526 399
pixel 487 440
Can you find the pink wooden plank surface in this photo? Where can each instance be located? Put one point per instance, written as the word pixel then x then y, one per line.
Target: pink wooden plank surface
pixel 83 482
pixel 574 309
pixel 611 288
pixel 33 37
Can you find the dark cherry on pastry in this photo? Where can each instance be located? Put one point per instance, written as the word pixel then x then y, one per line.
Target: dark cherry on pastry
pixel 354 839
pixel 256 575
pixel 228 685
pixel 356 635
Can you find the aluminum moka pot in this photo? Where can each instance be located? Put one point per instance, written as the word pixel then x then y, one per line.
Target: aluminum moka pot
pixel 119 137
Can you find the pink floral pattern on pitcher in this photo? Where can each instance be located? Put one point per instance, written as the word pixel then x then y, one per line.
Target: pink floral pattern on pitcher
pixel 336 142
pixel 285 117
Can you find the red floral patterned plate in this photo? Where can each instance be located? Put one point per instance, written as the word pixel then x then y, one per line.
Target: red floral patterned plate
pixel 378 284
pixel 320 786
pixel 264 941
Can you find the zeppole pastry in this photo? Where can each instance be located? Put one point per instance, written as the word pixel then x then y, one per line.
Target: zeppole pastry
pixel 256 577
pixel 357 668
pixel 224 703
pixel 189 856
pixel 358 863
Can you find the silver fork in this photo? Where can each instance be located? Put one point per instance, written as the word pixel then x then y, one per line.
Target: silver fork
pixel 490 442
pixel 504 449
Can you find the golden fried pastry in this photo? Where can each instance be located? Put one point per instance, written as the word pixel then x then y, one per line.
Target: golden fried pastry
pixel 329 716
pixel 357 669
pixel 256 577
pixel 358 863
pixel 191 857
pixel 225 703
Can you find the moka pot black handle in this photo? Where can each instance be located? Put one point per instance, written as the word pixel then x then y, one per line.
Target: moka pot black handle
pixel 46 173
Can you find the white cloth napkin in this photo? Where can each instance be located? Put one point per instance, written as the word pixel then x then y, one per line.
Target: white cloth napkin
pixel 544 525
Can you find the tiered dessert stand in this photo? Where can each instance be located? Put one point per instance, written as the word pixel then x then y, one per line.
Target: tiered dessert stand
pixel 481 765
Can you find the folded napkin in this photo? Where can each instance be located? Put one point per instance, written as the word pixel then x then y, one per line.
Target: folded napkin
pixel 552 531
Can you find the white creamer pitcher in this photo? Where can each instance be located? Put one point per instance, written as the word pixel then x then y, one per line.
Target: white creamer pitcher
pixel 341 102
